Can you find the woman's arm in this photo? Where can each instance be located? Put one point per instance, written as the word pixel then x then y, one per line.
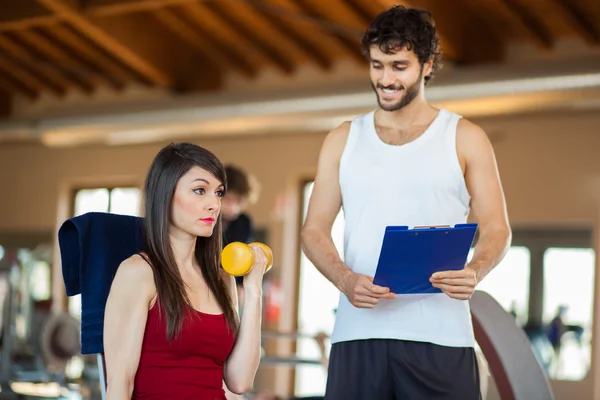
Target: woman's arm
pixel 244 359
pixel 130 296
pixel 232 286
pixel 229 395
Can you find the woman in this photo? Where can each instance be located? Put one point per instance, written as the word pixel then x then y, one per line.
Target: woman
pixel 171 322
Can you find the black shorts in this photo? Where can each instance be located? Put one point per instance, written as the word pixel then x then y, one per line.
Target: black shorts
pixel 382 369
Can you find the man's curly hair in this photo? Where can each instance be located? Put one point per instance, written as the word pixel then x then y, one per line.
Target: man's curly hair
pixel 410 28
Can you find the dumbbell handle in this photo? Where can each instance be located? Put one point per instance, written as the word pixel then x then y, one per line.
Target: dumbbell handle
pixel 237 258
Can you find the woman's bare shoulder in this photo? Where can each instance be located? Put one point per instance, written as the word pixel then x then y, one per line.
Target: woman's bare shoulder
pixel 136 267
pixel 135 272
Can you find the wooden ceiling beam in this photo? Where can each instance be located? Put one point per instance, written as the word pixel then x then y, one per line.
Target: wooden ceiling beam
pixel 361 11
pixel 188 70
pixel 530 22
pixel 10 85
pixel 203 44
pixel 351 46
pixel 80 73
pixel 313 52
pixel 198 76
pixel 449 47
pixel 113 46
pixel 350 14
pixel 22 10
pixel 29 16
pixel 5 104
pixel 120 7
pixel 582 22
pixel 48 71
pixel 118 74
pixel 225 36
pixel 26 77
pixel 271 52
pixel 28 23
pixel 22 14
pixel 468 40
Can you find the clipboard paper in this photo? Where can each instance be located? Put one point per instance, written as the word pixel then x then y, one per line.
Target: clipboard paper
pixel 409 257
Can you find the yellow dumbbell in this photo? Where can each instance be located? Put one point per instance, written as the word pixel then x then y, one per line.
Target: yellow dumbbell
pixel 237 258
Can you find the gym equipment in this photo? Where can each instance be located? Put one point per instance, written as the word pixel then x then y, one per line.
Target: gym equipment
pixel 34 358
pixel 59 340
pixel 510 357
pixel 237 258
pixel 290 361
pixel 286 335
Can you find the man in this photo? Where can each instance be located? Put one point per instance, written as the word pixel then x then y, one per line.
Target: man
pixel 405 163
pixel 237 225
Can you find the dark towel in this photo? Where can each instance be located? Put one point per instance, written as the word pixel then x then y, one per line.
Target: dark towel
pixel 92 246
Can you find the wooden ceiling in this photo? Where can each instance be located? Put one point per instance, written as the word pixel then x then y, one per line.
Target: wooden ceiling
pixel 58 46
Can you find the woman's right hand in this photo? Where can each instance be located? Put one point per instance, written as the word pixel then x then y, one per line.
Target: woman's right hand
pixel 253 280
pixel 244 359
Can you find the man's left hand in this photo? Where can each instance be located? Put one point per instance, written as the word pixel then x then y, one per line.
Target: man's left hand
pixel 458 284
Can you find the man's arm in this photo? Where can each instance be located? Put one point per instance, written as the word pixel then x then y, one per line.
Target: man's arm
pixel 488 206
pixel 488 209
pixel 324 205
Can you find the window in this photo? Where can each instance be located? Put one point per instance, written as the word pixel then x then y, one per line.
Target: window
pixel 318 300
pixel 115 200
pixel 508 283
pixel 119 200
pixel 40 281
pixel 568 309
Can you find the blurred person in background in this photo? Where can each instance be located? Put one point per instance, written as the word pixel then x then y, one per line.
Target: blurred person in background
pixel 242 191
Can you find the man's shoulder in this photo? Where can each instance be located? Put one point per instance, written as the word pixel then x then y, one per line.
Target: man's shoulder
pixel 358 121
pixel 470 129
pixel 336 139
pixel 472 142
pixel 469 135
pixel 342 131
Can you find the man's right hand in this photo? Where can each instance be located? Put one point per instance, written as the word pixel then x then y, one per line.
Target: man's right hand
pixel 362 293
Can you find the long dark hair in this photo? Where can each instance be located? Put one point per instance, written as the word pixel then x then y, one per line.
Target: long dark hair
pixel 169 165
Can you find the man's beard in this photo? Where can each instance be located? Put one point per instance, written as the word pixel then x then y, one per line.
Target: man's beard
pixel 409 94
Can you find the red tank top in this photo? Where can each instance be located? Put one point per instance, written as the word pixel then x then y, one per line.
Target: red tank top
pixel 188 367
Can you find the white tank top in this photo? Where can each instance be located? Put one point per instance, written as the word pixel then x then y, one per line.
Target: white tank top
pixel 418 183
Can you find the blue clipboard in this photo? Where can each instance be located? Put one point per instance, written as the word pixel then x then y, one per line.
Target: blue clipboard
pixel 409 257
